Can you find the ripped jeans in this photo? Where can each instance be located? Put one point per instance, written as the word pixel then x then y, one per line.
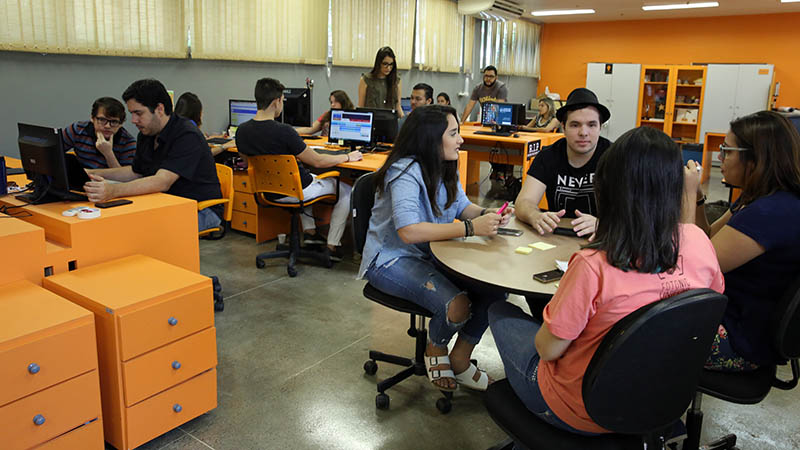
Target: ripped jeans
pixel 419 281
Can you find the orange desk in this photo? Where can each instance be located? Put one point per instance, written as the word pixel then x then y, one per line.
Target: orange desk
pixel 500 149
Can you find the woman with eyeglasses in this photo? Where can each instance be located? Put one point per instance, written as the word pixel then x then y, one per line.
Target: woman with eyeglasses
pixel 381 87
pixel 757 241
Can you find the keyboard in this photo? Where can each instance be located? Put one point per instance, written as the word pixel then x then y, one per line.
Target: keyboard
pixel 325 151
pixel 313 138
pixel 218 141
pixel 494 133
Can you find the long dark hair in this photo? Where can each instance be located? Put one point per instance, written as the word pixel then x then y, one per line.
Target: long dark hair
pixel 391 79
pixel 341 97
pixel 639 188
pixel 190 107
pixel 773 161
pixel 420 138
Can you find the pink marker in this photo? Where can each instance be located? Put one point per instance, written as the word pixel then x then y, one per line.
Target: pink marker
pixel 502 208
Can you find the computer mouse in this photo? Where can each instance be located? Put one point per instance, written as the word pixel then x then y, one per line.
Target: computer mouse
pixel 516 134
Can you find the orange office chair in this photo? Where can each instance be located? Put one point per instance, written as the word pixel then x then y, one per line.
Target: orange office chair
pixel 225 175
pixel 277 176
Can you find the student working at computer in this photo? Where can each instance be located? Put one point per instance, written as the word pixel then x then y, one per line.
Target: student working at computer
pixel 381 87
pixel 190 107
pixel 262 135
pixel 545 121
pixel 101 141
pixel 642 254
pixel 171 156
pixel 339 100
pixel 418 198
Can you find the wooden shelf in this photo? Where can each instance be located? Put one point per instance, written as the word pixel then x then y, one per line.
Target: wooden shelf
pixel 653 121
pixel 688 104
pixel 684 123
pixel 656 82
pixel 690 85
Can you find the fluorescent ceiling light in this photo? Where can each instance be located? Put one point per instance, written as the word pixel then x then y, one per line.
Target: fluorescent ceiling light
pixel 564 12
pixel 789 1
pixel 682 6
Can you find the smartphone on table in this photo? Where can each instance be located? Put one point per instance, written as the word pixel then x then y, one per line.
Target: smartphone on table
pixel 549 276
pixel 113 203
pixel 509 231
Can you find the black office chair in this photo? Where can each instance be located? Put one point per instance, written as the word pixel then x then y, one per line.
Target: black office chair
pixel 639 382
pixel 361 201
pixel 748 388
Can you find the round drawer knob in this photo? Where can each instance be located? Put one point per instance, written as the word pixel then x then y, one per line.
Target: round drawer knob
pixel 244 204
pixel 176 365
pixel 38 419
pixel 176 407
pixel 33 368
pixel 172 321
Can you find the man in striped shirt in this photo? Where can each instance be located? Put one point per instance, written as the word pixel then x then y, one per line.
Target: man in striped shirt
pixel 101 142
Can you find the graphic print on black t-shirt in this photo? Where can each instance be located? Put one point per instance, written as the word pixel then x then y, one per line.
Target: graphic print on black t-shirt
pixel 573 193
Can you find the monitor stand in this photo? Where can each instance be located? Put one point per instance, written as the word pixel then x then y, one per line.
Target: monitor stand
pixel 43 192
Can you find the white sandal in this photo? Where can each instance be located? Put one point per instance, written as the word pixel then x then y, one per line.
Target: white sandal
pixel 435 375
pixel 466 378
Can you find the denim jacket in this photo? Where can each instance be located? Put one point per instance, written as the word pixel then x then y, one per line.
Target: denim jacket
pixel 404 202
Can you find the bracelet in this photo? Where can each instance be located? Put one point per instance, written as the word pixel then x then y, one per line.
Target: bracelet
pixel 701 201
pixel 483 211
pixel 468 228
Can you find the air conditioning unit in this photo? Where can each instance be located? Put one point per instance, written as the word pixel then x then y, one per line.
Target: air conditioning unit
pixel 491 9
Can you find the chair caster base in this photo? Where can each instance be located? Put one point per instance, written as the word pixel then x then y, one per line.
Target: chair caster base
pixel 260 263
pixel 291 271
pixel 370 367
pixel 219 305
pixel 382 401
pixel 444 405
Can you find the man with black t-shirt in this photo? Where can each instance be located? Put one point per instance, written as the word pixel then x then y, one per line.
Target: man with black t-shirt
pixel 564 171
pixel 262 135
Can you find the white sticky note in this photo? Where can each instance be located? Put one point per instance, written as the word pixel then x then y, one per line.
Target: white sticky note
pixel 523 250
pixel 541 246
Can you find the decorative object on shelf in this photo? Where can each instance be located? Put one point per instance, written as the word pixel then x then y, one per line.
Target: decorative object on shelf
pixel 686 115
pixel 698 82
pixel 661 108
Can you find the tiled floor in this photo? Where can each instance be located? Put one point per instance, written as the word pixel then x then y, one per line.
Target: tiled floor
pixel 291 352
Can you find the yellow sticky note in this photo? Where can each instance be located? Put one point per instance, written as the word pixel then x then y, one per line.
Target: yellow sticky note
pixel 541 246
pixel 523 250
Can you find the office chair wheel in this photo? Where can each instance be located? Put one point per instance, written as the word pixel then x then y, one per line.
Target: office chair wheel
pixel 260 263
pixel 370 367
pixel 219 305
pixel 291 271
pixel 382 401
pixel 328 264
pixel 444 405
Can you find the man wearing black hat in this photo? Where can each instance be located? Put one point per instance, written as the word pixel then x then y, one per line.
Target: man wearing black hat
pixel 564 171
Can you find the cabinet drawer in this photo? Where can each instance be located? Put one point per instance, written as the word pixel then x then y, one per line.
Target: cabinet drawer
pixel 169 409
pixel 243 201
pixel 47 361
pixel 87 437
pixel 164 322
pixel 62 407
pixel 243 221
pixel 168 366
pixel 241 182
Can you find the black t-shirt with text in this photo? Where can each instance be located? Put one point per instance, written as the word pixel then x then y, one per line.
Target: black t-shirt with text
pixel 268 137
pixel 568 187
pixel 182 149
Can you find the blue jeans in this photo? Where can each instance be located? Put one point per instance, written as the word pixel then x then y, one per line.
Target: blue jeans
pixel 419 281
pixel 207 218
pixel 514 332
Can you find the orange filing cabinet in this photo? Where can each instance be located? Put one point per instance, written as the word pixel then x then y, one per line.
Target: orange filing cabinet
pixel 265 223
pixel 49 387
pixel 156 343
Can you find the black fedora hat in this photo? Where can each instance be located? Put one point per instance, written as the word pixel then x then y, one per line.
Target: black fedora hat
pixel 581 98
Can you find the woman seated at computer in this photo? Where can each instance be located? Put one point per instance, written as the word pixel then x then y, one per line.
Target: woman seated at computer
pixel 339 100
pixel 641 253
pixel 545 121
pixel 757 241
pixel 381 87
pixel 418 197
pixel 190 107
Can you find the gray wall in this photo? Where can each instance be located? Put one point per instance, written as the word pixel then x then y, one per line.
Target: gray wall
pixel 56 90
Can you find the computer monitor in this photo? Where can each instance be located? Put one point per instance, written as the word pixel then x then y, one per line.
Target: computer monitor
pixel 497 114
pixel 519 114
pixel 353 127
pixel 384 124
pixel 240 111
pixel 795 120
pixel 54 173
pixel 296 107
pixel 405 103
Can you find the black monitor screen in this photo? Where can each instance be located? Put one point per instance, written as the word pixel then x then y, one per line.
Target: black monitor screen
pixel 519 114
pixel 54 173
pixel 495 113
pixel 384 124
pixel 795 120
pixel 296 107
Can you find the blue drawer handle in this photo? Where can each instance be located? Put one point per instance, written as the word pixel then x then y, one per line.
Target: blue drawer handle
pixel 38 419
pixel 33 368
pixel 176 407
pixel 172 321
pixel 176 365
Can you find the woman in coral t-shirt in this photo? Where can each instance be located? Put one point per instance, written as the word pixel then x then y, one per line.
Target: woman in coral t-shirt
pixel 641 254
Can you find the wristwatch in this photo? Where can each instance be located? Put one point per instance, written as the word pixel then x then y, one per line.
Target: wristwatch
pixel 701 201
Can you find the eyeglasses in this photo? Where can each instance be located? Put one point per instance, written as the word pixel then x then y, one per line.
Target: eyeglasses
pixel 110 122
pixel 385 64
pixel 724 149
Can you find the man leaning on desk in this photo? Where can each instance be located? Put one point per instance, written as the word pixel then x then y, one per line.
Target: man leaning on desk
pixel 564 171
pixel 171 156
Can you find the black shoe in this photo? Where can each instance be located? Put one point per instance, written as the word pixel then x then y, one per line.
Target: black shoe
pixel 313 239
pixel 336 254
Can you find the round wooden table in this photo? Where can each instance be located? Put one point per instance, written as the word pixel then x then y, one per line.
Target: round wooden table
pixel 492 260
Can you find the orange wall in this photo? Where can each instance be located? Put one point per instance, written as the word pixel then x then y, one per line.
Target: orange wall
pixel 770 39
